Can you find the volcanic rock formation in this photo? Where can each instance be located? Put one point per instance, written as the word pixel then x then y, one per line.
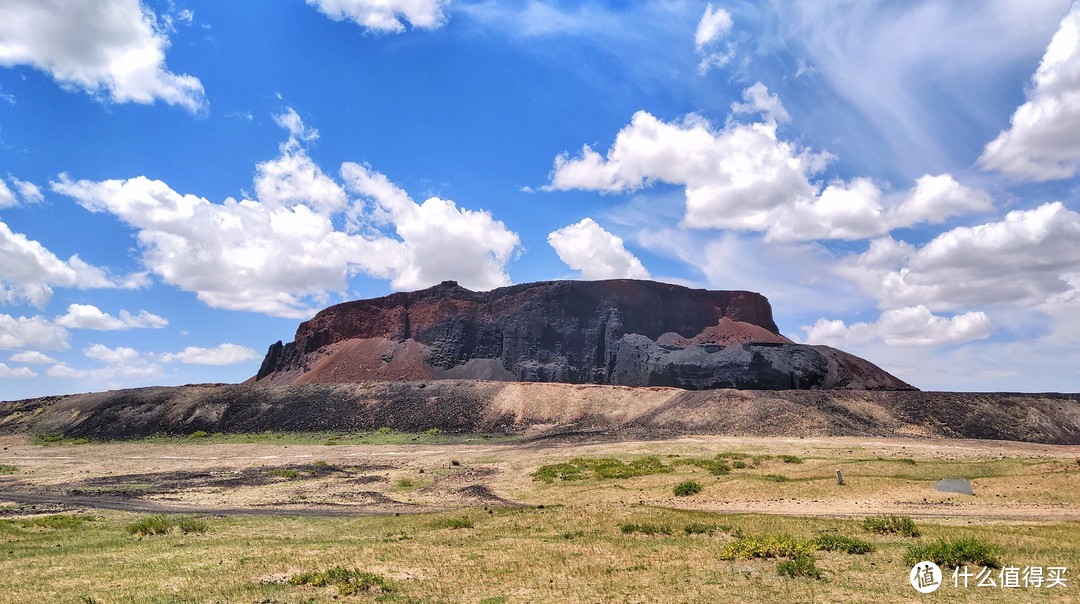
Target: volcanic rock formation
pixel 624 332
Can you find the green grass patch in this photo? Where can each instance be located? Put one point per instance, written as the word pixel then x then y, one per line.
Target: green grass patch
pixel 7 470
pixel 841 543
pixel 775 478
pixel 767 546
pixel 795 459
pixel 348 581
pixel 685 489
pixel 799 567
pixel 163 524
pixel 631 528
pixel 581 468
pixel 698 528
pixel 453 523
pixel 286 473
pixel 715 466
pixel 954 553
pixel 56 521
pixel 891 524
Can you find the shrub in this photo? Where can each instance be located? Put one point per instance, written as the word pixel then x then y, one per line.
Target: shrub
pixel 6 469
pixel 162 524
pixel 286 473
pixel 799 567
pixel 684 489
pixel 404 483
pixel 454 463
pixel 198 434
pixel 767 546
pixel 790 459
pixel 433 432
pixel 891 524
pixel 840 543
pixel 696 528
pixel 954 553
pixel 645 529
pixel 348 581
pixel 384 430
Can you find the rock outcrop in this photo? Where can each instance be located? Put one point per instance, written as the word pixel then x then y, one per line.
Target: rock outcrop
pixel 621 332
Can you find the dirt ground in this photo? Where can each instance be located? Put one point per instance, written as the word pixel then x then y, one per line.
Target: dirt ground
pixel 1012 481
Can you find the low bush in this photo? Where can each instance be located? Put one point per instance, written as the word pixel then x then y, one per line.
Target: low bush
pixel 348 581
pixel 198 434
pixel 799 567
pixel 954 553
pixel 286 473
pixel 790 459
pixel 767 546
pixel 6 469
pixel 162 524
pixel 840 543
pixel 885 524
pixel 685 489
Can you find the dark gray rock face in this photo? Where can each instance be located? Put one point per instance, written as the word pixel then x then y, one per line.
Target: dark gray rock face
pixel 580 332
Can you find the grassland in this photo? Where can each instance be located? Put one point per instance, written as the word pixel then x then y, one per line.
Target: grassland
pixel 600 524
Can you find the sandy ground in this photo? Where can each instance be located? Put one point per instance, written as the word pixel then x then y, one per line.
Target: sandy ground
pixel 1012 481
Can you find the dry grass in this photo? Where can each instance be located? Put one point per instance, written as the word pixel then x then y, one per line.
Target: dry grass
pixel 573 549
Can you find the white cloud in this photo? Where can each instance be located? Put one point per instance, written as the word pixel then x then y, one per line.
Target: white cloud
pixel 31 332
pixel 27 192
pixel 1041 142
pixel 743 177
pixel 120 363
pixel 15 372
pixel 908 326
pixel 282 253
pixel 7 198
pixel 33 357
pixel 108 48
pixel 439 241
pixel 87 316
pixel 598 254
pixel 1024 260
pixel 223 354
pixel 385 16
pixel 29 271
pixel 759 100
pixel 914 77
pixel 64 371
pixel 713 26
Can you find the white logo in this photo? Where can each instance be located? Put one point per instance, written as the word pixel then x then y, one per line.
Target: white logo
pixel 925 577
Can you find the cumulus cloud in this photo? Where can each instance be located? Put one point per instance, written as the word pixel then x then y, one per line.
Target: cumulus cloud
pixel 439 240
pixel 1041 143
pixel 1024 260
pixel 713 26
pixel 31 332
pixel 15 372
pixel 119 363
pixel 743 177
pixel 29 271
pixel 598 254
pixel 109 48
pixel 908 326
pixel 87 316
pixel 61 370
pixel 282 253
pixel 385 16
pixel 222 354
pixel 33 357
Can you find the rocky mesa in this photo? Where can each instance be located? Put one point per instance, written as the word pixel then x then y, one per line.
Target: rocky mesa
pixel 616 332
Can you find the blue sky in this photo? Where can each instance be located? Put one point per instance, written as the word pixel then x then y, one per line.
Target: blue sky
pixel 184 181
